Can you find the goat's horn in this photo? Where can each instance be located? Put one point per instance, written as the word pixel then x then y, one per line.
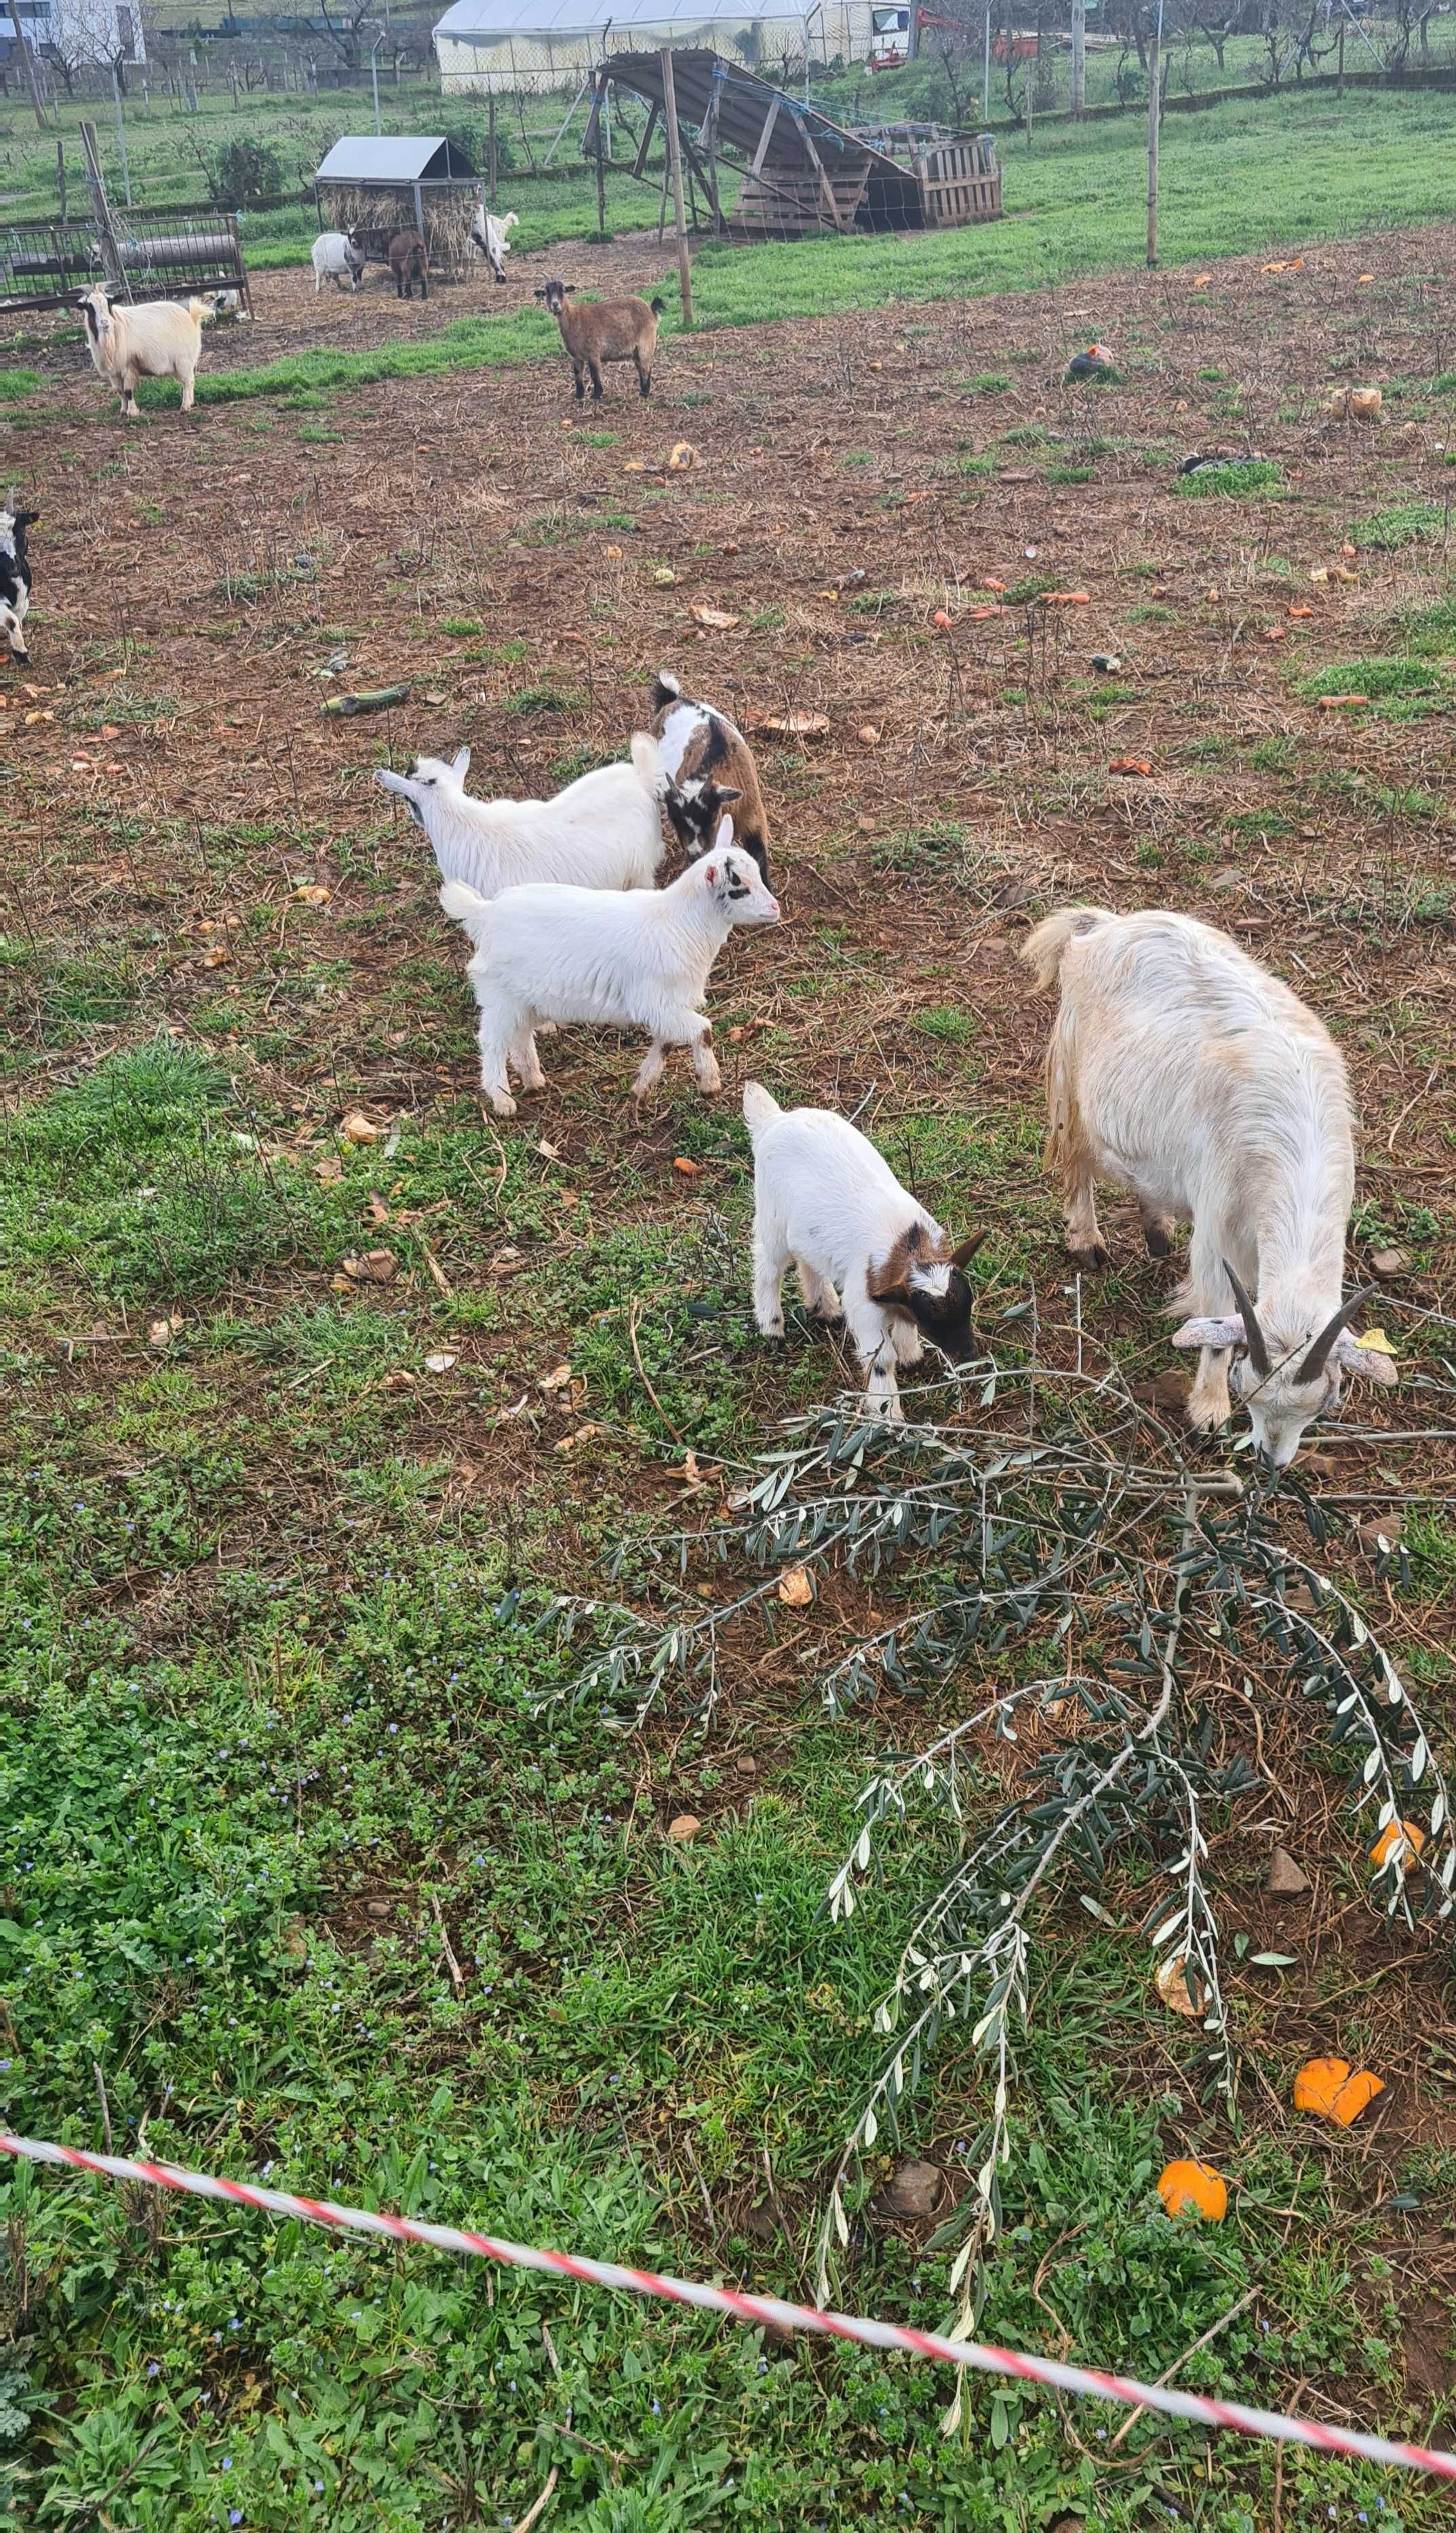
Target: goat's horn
pixel 1253 1335
pixel 1319 1354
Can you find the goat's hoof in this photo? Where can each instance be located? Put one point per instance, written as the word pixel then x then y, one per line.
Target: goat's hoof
pixel 1094 1260
pixel 503 1103
pixel 772 1329
pixel 1157 1239
pixel 827 1319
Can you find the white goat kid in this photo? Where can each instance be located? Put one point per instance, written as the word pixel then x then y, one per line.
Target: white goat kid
pixel 335 258
pixel 493 237
pixel 824 1199
pixel 1182 1070
pixel 604 831
pixel 157 340
pixel 637 959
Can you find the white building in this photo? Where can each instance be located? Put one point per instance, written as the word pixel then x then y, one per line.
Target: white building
pixel 83 34
pixel 485 44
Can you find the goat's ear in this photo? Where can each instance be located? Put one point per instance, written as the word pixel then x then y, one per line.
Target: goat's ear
pixel 461 763
pixel 710 874
pixel 568 286
pixel 1365 1363
pixel 725 834
pixel 1221 1334
pixel 539 294
pixel 721 794
pixel 962 1255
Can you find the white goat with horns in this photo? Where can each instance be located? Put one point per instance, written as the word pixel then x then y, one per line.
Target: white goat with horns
pixel 1180 1069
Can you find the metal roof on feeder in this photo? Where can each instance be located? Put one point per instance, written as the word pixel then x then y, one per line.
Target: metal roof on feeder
pixel 404 158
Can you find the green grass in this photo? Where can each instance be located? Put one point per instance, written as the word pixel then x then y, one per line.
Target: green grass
pixel 1242 480
pixel 1244 177
pixel 15 384
pixel 1403 523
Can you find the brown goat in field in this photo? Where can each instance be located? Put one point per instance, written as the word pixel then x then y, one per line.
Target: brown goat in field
pixel 604 329
pixel 409 261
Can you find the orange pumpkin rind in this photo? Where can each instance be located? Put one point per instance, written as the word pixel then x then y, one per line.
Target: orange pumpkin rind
pixel 1190 2189
pixel 1327 2090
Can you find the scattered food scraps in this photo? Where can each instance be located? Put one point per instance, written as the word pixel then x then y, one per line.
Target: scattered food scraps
pixel 715 618
pixel 795 1590
pixel 1130 765
pixel 1326 2089
pixel 359 1129
pixel 1399 1842
pixel 1189 2189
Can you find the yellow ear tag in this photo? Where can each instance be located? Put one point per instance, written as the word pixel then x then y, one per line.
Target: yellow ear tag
pixel 1377 1342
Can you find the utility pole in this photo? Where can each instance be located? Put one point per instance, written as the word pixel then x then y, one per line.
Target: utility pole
pixel 986 74
pixel 674 169
pixel 29 59
pixel 1079 57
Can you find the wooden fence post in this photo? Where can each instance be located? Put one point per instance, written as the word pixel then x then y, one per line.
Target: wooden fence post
pixel 1154 118
pixel 492 155
pixel 600 110
pixel 674 163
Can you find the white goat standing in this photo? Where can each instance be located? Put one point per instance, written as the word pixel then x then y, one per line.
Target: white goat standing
pixel 628 959
pixel 825 1198
pixel 1182 1070
pixel 604 831
pixel 335 258
pixel 157 340
pixel 493 237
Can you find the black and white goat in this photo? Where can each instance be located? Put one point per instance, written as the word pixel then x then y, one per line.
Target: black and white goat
pixel 709 765
pixel 15 575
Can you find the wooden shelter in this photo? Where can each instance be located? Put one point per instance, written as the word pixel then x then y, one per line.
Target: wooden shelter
pixel 801 173
pixel 376 185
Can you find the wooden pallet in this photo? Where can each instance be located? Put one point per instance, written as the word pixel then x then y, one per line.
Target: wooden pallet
pixel 960 181
pixel 790 202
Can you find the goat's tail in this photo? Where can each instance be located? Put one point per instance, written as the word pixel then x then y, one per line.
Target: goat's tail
pixel 467 907
pixel 647 758
pixel 760 1108
pixel 1045 947
pixel 665 690
pixel 658 307
pixel 512 220
pixel 200 309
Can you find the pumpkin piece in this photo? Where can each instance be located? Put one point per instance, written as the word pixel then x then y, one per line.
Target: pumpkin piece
pixel 1326 2089
pixel 1398 1834
pixel 1189 2189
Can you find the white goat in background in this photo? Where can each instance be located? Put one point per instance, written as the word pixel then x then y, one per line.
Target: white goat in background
pixel 1182 1070
pixel 157 340
pixel 604 831
pixel 493 237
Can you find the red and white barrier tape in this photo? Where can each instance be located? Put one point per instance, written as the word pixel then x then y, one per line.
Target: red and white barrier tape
pixel 1081 2379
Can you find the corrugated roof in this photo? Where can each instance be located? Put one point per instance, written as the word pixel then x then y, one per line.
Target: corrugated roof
pixel 491 21
pixel 402 159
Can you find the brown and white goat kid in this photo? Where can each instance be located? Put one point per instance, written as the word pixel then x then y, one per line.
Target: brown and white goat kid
pixel 602 330
pixel 1180 1069
pixel 824 1199
pixel 710 767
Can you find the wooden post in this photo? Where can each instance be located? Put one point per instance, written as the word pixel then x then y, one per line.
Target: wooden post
pixel 1078 57
pixel 600 162
pixel 674 163
pixel 29 58
pixel 1154 118
pixel 61 175
pixel 111 263
pixel 1340 89
pixel 492 155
